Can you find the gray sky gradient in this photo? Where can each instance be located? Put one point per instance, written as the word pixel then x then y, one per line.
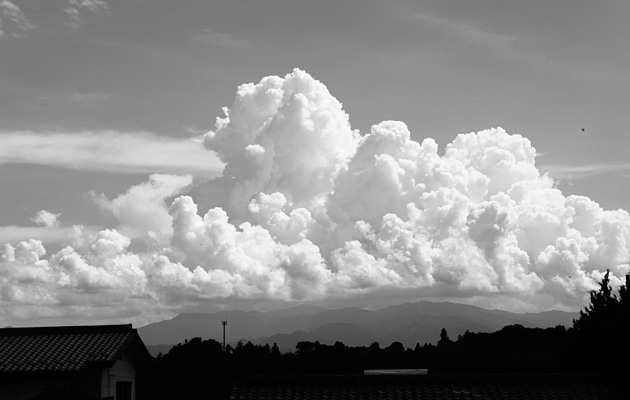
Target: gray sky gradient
pixel 541 69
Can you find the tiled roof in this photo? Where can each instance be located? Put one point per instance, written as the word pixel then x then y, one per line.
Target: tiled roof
pixel 61 349
pixel 426 389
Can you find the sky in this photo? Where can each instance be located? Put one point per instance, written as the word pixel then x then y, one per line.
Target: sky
pixel 159 157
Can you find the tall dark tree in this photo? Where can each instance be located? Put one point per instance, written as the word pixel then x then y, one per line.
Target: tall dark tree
pixel 604 323
pixel 602 304
pixel 275 350
pixel 444 339
pixel 605 311
pixel 624 293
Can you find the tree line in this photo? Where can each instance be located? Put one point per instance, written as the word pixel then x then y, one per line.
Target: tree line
pixel 597 342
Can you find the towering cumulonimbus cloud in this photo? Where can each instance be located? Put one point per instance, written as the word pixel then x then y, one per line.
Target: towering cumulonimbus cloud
pixel 285 135
pixel 308 209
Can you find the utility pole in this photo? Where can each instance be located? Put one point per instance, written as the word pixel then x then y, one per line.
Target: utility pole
pixel 224 323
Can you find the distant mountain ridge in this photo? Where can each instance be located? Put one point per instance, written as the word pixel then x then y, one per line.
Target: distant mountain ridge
pixel 408 323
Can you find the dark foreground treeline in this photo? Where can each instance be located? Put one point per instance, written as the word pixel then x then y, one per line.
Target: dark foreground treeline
pixel 597 342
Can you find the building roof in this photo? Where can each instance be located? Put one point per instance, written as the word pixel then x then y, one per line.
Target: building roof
pixel 427 388
pixel 62 348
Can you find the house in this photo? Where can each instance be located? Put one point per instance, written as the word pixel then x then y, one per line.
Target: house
pixel 83 362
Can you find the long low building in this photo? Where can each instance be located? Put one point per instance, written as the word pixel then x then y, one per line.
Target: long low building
pixel 414 385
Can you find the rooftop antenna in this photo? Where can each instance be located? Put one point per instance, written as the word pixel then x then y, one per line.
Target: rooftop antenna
pixel 224 323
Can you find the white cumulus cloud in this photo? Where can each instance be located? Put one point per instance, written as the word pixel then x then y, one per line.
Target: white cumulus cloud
pixel 46 218
pixel 11 15
pixel 74 7
pixel 49 230
pixel 309 210
pixel 143 210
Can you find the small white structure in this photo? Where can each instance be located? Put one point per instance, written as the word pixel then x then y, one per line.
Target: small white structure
pixel 397 372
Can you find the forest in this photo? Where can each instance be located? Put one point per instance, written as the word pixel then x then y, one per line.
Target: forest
pixel 596 343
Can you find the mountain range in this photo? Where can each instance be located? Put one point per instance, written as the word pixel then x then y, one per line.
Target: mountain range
pixel 408 323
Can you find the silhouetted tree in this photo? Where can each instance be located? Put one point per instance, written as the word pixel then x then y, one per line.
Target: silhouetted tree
pixel 444 339
pixel 624 293
pixel 602 303
pixel 395 348
pixel 303 348
pixel 603 323
pixel 197 367
pixel 239 347
pixel 275 350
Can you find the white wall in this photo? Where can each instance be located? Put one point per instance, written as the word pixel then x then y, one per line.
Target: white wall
pixel 123 370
